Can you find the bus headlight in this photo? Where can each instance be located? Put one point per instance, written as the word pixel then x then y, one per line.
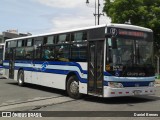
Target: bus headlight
pixel 115 85
pixel 151 84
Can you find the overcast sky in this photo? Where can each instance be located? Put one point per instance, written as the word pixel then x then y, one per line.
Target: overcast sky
pixel 41 16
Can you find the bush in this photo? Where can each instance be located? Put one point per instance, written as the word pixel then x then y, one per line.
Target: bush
pixel 157 76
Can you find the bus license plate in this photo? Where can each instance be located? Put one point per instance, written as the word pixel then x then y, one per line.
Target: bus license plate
pixel 137 92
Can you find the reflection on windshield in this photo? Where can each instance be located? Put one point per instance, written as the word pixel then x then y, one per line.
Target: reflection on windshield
pixel 131 52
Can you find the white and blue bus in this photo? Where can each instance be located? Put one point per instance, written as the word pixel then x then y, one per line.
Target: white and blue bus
pixel 106 60
pixel 1 57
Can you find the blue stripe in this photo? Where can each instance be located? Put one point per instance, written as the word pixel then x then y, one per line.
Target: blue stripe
pixel 54 71
pixel 133 84
pixel 1 67
pixel 82 80
pixel 57 63
pixel 6 67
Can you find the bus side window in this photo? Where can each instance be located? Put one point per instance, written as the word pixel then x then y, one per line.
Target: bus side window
pixel 48 53
pixel 63 38
pixel 79 52
pixel 29 42
pixel 20 53
pixel 13 44
pixel 50 40
pixel 62 53
pixel 79 36
pixel 38 41
pixel 8 44
pixel 37 52
pixel 28 53
pixel 19 43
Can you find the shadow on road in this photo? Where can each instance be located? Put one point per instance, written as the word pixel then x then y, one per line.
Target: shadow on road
pixel 122 100
pixel 42 88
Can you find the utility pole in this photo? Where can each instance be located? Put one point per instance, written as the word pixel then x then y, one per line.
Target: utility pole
pixel 96 14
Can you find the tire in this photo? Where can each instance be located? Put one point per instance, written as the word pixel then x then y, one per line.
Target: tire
pixel 20 78
pixel 73 87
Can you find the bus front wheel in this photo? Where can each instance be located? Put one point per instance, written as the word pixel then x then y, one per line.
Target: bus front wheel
pixel 73 87
pixel 21 78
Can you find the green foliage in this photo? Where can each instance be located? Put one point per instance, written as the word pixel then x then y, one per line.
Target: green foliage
pixel 144 13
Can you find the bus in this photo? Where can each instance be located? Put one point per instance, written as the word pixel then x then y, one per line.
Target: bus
pixel 1 57
pixel 106 61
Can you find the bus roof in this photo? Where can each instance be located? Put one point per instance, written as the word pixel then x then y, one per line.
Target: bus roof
pixel 132 27
pixel 124 26
pixel 72 30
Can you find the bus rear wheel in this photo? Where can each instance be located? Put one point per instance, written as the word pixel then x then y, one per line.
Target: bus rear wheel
pixel 73 87
pixel 20 78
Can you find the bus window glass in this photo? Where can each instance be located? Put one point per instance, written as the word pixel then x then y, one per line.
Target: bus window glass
pixel 9 44
pixel 48 53
pixel 64 38
pixel 62 53
pixel 13 44
pixel 38 41
pixel 19 43
pixel 20 53
pixel 29 42
pixel 50 40
pixel 38 52
pixel 80 36
pixel 79 52
pixel 109 42
pixel 28 53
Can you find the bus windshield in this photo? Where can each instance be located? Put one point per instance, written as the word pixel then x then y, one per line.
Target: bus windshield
pixel 131 52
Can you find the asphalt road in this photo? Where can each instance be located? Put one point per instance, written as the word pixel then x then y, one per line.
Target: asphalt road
pixel 38 98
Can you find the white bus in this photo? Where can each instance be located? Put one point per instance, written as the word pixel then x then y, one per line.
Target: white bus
pixel 106 61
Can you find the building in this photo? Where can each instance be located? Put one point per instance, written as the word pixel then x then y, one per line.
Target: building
pixel 11 34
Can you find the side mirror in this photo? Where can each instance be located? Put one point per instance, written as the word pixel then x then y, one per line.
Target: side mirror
pixel 114 42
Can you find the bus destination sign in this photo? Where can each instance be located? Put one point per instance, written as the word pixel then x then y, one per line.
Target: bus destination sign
pixel 127 33
pixel 131 33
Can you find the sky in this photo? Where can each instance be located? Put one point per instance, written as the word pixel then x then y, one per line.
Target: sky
pixel 42 16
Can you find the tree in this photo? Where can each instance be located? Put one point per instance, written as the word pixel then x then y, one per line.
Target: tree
pixel 144 13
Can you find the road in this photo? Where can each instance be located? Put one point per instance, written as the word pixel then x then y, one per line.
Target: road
pixel 38 98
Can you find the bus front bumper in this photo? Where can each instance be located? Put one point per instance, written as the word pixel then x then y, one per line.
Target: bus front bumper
pixel 128 91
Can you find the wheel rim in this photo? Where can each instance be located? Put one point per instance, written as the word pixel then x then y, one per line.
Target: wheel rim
pixel 20 78
pixel 74 87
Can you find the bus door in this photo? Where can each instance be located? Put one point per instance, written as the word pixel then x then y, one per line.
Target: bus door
pixel 95 67
pixel 11 63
